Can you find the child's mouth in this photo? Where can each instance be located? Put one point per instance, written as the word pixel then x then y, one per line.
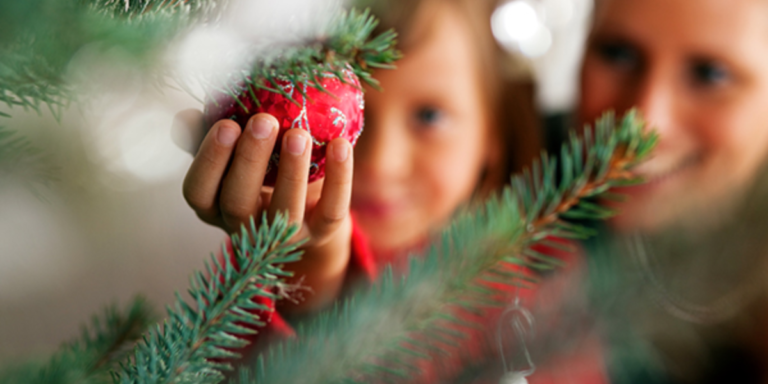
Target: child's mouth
pixel 375 208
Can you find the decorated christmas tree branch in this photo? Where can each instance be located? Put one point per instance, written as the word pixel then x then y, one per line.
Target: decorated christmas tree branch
pixel 93 355
pixel 316 85
pixel 345 44
pixel 194 343
pixel 42 36
pixel 385 331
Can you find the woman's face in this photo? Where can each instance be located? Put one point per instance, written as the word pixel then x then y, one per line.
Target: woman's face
pixel 426 141
pixel 698 71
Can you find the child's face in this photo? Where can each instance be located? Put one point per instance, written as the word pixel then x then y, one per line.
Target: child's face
pixel 698 70
pixel 426 142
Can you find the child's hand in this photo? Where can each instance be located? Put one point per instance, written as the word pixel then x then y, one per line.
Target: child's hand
pixel 224 187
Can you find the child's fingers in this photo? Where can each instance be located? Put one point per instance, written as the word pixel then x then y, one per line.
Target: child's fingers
pixel 241 189
pixel 333 207
pixel 188 130
pixel 293 175
pixel 201 186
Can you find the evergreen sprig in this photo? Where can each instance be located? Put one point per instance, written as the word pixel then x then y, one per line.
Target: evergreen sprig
pixel 346 43
pixel 195 342
pixel 384 332
pixel 89 359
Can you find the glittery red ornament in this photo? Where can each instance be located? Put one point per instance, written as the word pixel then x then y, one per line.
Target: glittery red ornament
pixel 326 116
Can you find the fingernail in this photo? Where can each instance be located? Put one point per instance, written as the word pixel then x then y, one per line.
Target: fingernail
pixel 261 128
pixel 341 152
pixel 296 144
pixel 226 135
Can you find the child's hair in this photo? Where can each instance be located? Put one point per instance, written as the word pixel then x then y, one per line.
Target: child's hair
pixel 508 93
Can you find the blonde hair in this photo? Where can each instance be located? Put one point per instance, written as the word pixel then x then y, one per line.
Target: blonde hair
pixel 510 96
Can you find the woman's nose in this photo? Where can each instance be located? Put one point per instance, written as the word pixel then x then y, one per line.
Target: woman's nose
pixel 656 98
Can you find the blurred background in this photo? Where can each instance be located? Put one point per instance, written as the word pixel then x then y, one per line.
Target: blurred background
pixel 114 224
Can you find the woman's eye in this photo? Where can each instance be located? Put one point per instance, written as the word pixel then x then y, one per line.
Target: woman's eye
pixel 428 116
pixel 619 54
pixel 708 73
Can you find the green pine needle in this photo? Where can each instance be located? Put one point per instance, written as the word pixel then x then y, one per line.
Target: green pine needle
pixel 365 337
pixel 193 343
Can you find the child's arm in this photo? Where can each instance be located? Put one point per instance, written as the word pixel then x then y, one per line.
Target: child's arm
pixel 224 187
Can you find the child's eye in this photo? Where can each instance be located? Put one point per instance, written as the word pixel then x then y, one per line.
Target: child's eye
pixel 708 73
pixel 428 116
pixel 619 54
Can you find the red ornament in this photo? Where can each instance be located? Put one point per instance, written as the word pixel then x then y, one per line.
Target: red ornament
pixel 325 116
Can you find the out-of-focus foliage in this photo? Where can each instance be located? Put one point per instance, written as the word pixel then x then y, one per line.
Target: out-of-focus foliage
pixel 38 38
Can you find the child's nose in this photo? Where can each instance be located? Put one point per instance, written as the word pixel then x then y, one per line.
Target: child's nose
pixel 382 154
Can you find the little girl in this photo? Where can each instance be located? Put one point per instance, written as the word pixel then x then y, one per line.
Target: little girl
pixel 447 127
pixel 696 70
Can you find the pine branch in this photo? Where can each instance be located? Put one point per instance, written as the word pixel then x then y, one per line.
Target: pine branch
pixel 193 343
pixel 383 333
pixel 89 359
pixel 345 44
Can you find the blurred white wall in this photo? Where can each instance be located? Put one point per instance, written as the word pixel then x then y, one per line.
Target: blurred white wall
pixel 115 225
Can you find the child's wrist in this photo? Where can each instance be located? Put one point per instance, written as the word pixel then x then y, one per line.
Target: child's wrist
pixel 323 269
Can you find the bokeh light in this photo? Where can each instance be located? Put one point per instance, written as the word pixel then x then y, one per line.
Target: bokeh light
pixel 515 21
pixel 538 44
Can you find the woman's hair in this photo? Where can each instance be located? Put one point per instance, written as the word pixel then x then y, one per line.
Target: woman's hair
pixel 509 95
